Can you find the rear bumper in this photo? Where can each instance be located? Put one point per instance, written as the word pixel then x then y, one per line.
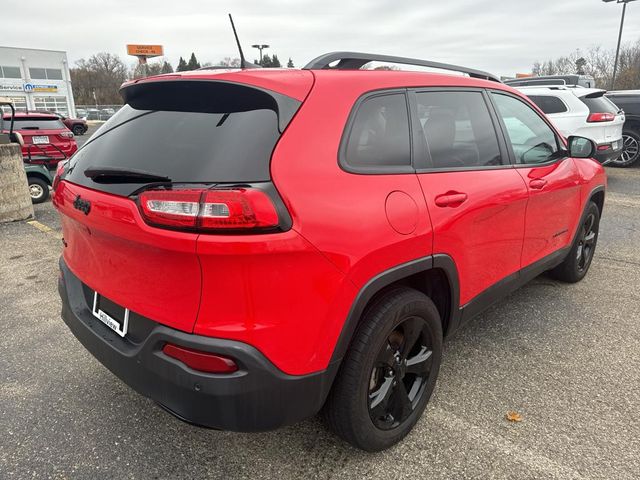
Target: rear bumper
pixel 610 154
pixel 256 397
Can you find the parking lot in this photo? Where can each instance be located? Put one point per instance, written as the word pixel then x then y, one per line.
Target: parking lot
pixel 565 357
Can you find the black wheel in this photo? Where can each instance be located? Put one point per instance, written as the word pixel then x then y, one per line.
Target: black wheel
pixel 38 189
pixel 631 148
pixel 576 265
pixel 389 371
pixel 78 130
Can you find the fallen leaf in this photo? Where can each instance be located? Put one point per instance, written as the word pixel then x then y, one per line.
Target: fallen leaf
pixel 513 416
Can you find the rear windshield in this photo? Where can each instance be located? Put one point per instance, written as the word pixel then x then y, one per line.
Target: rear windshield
pixel 599 104
pixel 229 146
pixel 33 124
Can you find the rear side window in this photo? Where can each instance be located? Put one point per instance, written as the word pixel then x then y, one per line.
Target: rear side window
pixel 549 104
pixel 458 130
pixel 378 138
pixel 231 145
pixel 34 124
pixel 599 104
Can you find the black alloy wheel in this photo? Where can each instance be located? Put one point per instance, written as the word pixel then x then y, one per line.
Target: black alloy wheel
pixel 586 242
pixel 388 372
pixel 399 376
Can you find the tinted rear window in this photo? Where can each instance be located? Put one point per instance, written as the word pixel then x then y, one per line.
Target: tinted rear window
pixel 230 146
pixel 599 104
pixel 34 124
pixel 549 104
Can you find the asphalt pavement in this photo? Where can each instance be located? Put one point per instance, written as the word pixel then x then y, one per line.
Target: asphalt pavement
pixel 565 357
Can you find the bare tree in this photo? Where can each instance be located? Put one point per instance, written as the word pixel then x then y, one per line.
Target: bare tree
pixel 598 63
pixel 102 73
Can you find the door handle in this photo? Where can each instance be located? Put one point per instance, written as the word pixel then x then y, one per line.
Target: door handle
pixel 451 199
pixel 537 183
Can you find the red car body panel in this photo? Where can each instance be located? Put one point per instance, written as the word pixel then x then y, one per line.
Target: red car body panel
pixel 288 294
pixel 484 234
pixel 153 272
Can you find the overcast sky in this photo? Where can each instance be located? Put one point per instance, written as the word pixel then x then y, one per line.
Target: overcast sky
pixel 503 37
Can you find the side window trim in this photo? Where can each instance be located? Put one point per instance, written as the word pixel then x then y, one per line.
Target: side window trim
pixel 346 133
pixel 422 158
pixel 512 157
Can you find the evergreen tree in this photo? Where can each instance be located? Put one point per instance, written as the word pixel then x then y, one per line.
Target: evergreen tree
pixel 166 68
pixel 290 63
pixel 182 65
pixel 275 63
pixel 193 62
pixel 266 60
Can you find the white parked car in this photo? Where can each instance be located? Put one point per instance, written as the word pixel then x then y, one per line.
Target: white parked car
pixel 585 112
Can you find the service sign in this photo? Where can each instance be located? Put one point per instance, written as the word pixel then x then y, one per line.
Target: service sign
pixel 145 50
pixel 11 87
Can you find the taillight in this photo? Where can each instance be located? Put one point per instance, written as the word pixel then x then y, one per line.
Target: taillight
pixel 66 134
pixel 209 210
pixel 59 170
pixel 199 360
pixel 601 117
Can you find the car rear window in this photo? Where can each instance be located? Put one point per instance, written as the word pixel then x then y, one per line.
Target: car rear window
pixel 599 104
pixel 548 103
pixel 33 124
pixel 226 135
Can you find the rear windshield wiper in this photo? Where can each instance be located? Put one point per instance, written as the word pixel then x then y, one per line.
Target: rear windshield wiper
pixel 122 175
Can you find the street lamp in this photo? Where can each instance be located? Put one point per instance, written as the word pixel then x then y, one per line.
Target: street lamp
pixel 260 47
pixel 615 63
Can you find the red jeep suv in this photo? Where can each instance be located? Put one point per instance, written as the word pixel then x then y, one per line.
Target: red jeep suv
pixel 47 140
pixel 248 247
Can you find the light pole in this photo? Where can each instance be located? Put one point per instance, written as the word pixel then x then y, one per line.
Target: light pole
pixel 615 63
pixel 260 47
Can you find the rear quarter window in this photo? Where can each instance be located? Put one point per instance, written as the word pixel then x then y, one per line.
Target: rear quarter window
pixel 549 104
pixel 377 137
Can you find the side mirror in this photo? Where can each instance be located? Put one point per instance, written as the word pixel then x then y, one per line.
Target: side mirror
pixel 16 137
pixel 581 147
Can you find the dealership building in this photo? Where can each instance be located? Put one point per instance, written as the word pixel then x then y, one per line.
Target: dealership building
pixel 36 79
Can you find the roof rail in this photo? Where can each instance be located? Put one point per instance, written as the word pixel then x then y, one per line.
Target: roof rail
pixel 522 82
pixel 356 60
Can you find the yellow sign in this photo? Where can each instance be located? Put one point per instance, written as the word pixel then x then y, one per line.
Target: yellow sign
pixel 145 50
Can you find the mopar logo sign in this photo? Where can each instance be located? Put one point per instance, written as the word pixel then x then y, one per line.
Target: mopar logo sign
pixel 30 87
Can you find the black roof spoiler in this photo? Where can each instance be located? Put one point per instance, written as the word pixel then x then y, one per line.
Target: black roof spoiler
pixel 355 61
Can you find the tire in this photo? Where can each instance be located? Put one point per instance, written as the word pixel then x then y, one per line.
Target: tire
pixel 631 149
pixel 577 262
pixel 78 130
pixel 38 189
pixel 365 407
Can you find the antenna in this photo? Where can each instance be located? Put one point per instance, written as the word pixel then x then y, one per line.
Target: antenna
pixel 243 61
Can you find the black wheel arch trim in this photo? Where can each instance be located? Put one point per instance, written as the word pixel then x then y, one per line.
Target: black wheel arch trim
pixel 390 276
pixel 40 176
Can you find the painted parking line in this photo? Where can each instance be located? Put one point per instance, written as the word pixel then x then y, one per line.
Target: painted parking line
pixel 45 229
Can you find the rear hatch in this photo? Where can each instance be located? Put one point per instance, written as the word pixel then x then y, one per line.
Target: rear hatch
pixel 605 119
pixel 148 174
pixel 46 139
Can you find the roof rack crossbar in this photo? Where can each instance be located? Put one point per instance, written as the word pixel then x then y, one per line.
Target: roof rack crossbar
pixel 356 60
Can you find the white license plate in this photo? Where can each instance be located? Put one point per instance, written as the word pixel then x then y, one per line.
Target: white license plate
pixel 118 325
pixel 41 139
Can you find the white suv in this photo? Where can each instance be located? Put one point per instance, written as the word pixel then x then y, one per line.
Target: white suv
pixel 585 112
